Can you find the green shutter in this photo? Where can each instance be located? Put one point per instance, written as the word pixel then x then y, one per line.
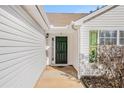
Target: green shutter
pixel 93 45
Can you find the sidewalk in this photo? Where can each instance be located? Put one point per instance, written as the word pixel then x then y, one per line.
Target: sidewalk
pixel 59 77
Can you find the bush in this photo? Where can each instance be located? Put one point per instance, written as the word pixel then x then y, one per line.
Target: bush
pixel 92 56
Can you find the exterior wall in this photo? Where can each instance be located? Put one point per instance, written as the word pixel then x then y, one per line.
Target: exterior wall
pixel 111 20
pixel 112 17
pixel 84 44
pixel 74 50
pixel 22 48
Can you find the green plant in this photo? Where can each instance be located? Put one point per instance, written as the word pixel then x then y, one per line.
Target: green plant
pixel 92 56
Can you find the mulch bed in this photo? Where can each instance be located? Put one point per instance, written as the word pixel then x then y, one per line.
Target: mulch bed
pixel 101 82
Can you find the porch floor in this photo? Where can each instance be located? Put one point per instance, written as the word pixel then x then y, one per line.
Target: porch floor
pixel 59 77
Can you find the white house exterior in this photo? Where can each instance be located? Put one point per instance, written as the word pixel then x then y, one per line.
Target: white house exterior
pixel 109 18
pixel 28 41
pixel 22 45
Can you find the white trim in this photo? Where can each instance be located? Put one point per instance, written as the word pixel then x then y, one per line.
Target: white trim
pixel 34 13
pixel 118 37
pixel 60 30
pixel 44 14
pixel 98 41
pixel 78 56
pixel 60 27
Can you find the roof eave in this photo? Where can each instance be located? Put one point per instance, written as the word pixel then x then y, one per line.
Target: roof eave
pixel 95 14
pixel 38 14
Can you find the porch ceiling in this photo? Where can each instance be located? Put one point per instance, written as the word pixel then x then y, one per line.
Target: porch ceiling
pixel 63 19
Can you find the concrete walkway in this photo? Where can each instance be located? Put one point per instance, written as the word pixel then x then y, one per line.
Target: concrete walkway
pixel 59 77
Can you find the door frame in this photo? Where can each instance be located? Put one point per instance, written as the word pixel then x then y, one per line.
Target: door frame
pixel 53 62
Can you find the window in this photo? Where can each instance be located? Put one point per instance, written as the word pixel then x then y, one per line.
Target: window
pixel 121 37
pixel 93 45
pixel 108 37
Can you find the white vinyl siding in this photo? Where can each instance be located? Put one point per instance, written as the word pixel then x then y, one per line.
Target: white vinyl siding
pixel 84 44
pixel 114 17
pixel 22 48
pixel 112 20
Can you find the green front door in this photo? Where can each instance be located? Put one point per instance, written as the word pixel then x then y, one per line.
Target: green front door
pixel 61 50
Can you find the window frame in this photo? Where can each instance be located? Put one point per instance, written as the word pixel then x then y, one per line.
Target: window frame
pixel 119 37
pixel 104 37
